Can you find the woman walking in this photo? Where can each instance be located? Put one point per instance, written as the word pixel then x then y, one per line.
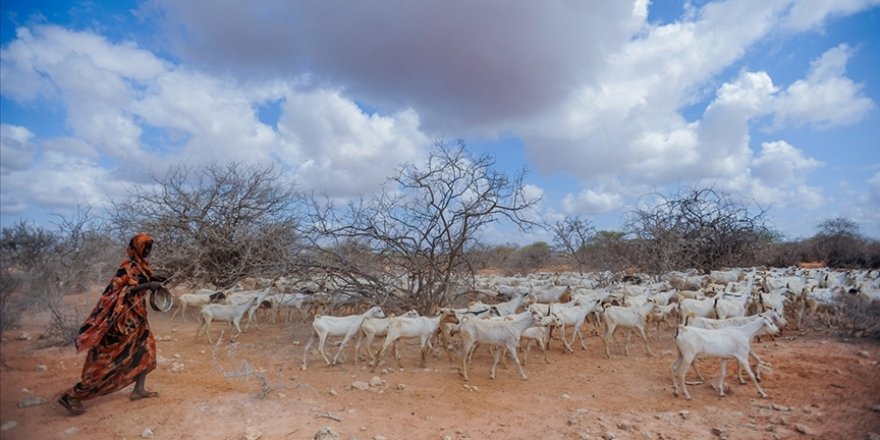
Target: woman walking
pixel 117 335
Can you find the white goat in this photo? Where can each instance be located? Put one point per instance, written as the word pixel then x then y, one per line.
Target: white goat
pixel 701 308
pixel 289 301
pixel 662 298
pixel 422 327
pixel 775 300
pixel 345 326
pixel 551 294
pixel 478 310
pixel 574 314
pixel 540 335
pixel 730 305
pixel 629 318
pixel 691 342
pixel 503 333
pixel 198 298
pixel 223 312
pixel 372 327
pixel 510 307
pixel 241 297
pixel 709 323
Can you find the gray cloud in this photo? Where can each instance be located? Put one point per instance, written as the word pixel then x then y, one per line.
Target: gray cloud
pixel 460 64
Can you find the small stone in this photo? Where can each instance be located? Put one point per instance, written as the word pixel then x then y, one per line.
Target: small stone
pixel 625 425
pixel 720 433
pixel 864 354
pixel 566 396
pixel 379 437
pixel 780 407
pixel 401 387
pixel 803 429
pixel 875 408
pixel 24 336
pixel 873 436
pixel 71 431
pixel 252 433
pixel 446 437
pixel 177 367
pixel 148 433
pixel 31 401
pixel 376 381
pixel 333 392
pixel 609 436
pixel 685 414
pixel 326 433
pixel 585 436
pixel 363 386
pixel 41 368
pixel 8 425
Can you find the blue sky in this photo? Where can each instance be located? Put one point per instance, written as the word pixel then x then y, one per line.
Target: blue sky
pixel 774 102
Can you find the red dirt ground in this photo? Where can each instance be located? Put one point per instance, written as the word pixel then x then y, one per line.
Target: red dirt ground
pixel 820 388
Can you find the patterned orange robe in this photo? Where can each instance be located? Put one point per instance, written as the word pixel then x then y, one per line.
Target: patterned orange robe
pixel 116 333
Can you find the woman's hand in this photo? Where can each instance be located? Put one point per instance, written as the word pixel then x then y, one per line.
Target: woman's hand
pixel 151 285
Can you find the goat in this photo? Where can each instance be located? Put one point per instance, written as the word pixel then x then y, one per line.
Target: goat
pixel 510 307
pixel 197 299
pixel 709 323
pixel 551 294
pixel 691 342
pixel 372 327
pixel 662 313
pixel 662 298
pixel 345 326
pixel 574 314
pixel 540 335
pixel 422 327
pixel 730 305
pixel 448 330
pixel 702 308
pixel 289 301
pixel 690 294
pixel 223 312
pixel 247 296
pixel 630 318
pixel 502 333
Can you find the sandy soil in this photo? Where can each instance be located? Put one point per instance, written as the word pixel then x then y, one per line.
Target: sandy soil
pixel 820 387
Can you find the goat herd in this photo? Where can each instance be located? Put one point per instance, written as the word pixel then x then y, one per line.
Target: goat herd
pixel 717 314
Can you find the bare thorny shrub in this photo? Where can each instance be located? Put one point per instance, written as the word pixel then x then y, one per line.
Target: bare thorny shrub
pixel 41 267
pixel 10 306
pixel 417 230
pixel 701 228
pixel 217 224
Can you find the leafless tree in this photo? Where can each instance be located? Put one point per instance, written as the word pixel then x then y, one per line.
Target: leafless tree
pixel 414 235
pixel 39 267
pixel 571 236
pixel 701 228
pixel 215 224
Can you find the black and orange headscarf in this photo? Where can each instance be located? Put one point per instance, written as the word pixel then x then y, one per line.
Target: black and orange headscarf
pixel 132 271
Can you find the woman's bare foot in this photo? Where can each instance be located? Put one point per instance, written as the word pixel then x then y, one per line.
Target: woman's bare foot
pixel 72 404
pixel 138 394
